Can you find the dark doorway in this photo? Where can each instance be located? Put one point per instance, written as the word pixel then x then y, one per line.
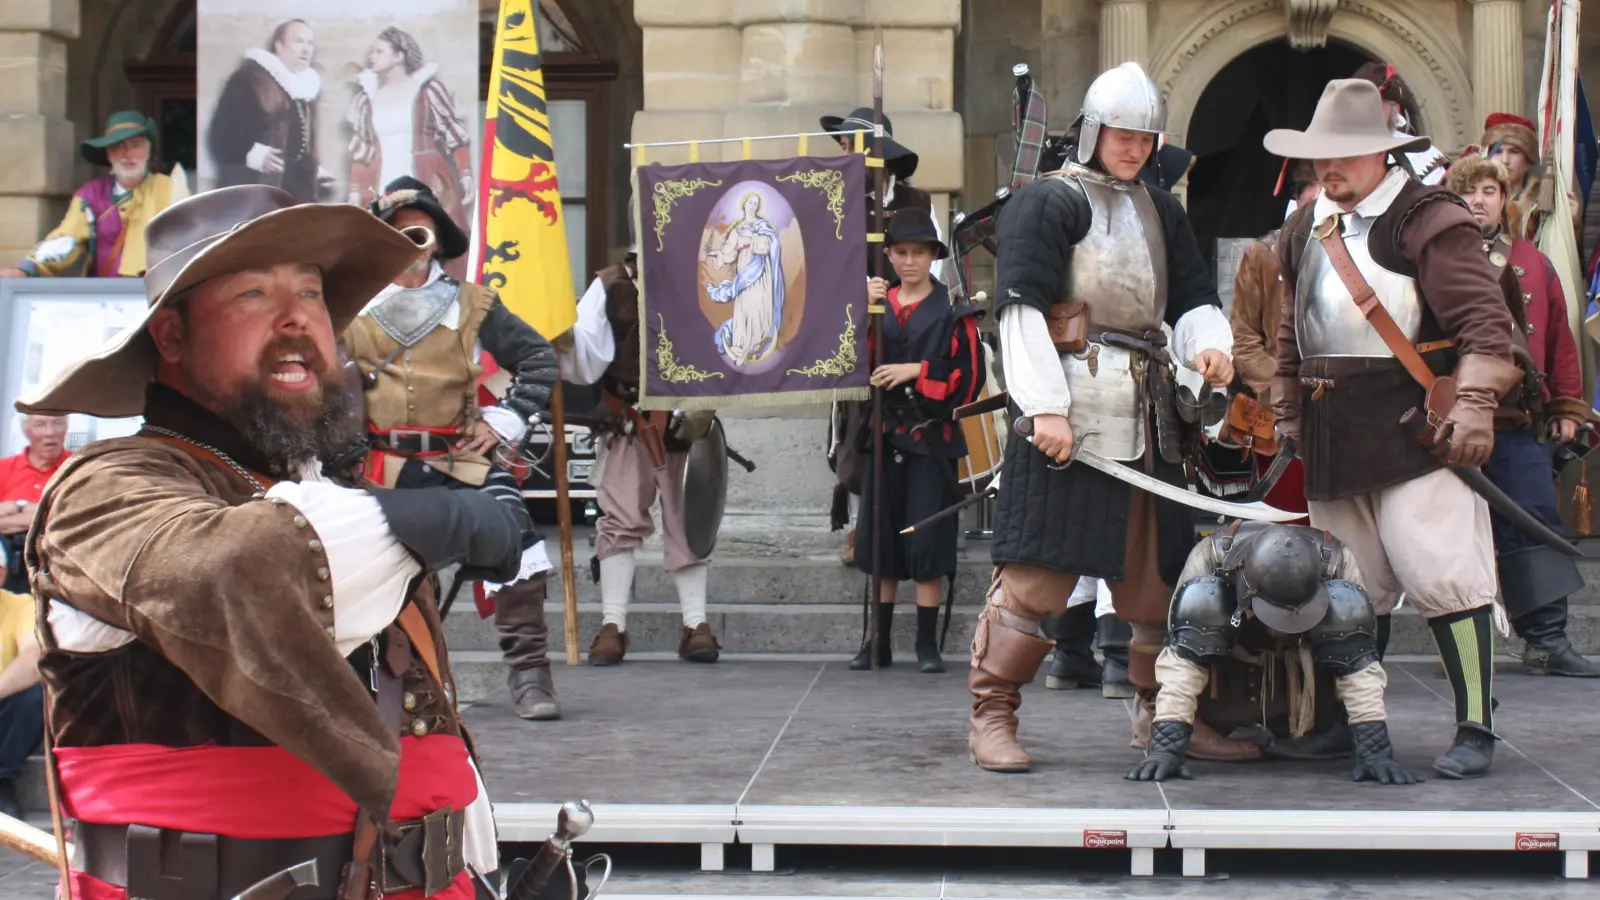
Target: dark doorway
pixel 1270 86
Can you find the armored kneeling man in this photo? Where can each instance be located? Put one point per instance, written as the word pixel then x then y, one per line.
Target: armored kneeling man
pixel 1269 615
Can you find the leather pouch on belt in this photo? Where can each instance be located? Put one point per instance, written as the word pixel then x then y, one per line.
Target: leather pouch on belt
pixel 1069 326
pixel 1250 425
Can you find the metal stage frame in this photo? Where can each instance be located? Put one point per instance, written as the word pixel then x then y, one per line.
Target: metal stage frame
pixel 790 753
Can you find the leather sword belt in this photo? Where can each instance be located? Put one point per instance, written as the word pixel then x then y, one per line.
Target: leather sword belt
pixel 1151 343
pixel 416 441
pixel 164 864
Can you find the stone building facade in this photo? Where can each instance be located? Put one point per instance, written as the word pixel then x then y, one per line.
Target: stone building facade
pixel 670 70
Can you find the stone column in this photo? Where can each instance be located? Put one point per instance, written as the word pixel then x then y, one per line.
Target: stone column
pixel 1124 33
pixel 36 137
pixel 1496 57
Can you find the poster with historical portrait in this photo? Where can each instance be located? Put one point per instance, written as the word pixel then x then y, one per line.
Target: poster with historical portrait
pixel 753 282
pixel 332 100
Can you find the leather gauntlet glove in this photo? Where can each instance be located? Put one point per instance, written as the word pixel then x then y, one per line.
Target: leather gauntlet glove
pixel 1480 383
pixel 1375 755
pixel 1169 741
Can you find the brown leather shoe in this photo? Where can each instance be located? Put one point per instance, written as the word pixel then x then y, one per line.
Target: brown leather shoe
pixel 1207 744
pixel 1009 659
pixel 699 645
pixel 609 646
pixel 533 694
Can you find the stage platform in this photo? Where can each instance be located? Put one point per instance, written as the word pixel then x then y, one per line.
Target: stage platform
pixel 793 752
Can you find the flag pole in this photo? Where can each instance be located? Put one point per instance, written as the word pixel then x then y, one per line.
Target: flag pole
pixel 569 577
pixel 875 316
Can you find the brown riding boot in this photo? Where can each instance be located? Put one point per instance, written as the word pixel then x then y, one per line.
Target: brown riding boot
pixel 1206 743
pixel 1003 660
pixel 609 646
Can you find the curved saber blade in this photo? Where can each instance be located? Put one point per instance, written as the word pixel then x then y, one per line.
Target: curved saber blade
pixel 1259 512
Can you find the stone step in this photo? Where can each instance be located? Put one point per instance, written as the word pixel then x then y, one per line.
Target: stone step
pixel 836 628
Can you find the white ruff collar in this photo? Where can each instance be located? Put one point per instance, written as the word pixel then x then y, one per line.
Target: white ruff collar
pixel 304 85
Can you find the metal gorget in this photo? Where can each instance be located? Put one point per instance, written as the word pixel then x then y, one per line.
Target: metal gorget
pixel 1120 267
pixel 408 315
pixel 1327 320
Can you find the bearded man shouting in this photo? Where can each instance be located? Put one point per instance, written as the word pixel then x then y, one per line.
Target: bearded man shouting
pixel 245 657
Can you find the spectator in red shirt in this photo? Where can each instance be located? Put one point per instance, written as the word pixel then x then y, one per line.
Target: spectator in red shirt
pixel 22 481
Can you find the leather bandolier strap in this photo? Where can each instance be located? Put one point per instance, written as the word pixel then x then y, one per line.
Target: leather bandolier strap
pixel 1331 235
pixel 647 428
pixel 1440 391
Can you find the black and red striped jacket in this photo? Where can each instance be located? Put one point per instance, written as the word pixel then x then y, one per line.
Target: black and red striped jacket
pixel 944 339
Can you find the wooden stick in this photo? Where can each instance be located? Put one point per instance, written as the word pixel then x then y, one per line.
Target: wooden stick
pixel 569 576
pixel 31 842
pixel 879 262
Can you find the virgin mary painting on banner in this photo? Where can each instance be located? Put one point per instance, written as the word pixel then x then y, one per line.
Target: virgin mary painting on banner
pixel 752 248
pixel 749 282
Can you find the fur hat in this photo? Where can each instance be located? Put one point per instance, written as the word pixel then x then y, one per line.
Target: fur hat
pixel 1471 167
pixel 1506 128
pixel 1466 171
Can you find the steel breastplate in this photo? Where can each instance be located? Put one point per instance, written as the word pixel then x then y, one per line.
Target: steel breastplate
pixel 408 315
pixel 1327 320
pixel 1120 267
pixel 1108 398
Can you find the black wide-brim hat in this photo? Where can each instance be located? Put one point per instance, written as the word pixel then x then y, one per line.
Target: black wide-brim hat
pixel 406 192
pixel 915 226
pixel 900 160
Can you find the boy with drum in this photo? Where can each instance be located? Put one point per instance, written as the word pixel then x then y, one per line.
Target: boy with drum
pixel 931 363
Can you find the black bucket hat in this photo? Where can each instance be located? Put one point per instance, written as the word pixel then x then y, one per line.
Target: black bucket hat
pixel 406 192
pixel 902 163
pixel 915 226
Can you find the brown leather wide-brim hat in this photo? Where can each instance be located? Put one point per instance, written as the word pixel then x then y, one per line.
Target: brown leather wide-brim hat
pixel 218 233
pixel 1349 121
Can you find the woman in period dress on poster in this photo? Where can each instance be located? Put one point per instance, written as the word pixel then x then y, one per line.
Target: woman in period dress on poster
pixel 752 248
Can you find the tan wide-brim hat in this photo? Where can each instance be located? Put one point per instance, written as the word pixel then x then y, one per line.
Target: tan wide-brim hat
pixel 1349 121
pixel 218 233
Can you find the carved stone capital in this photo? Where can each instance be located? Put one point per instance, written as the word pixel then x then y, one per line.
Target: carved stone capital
pixel 1308 22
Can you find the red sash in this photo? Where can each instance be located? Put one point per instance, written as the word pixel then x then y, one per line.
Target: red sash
pixel 248 792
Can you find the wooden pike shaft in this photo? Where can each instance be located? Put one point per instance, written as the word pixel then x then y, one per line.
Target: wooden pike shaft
pixel 569 575
pixel 878 260
pixel 23 838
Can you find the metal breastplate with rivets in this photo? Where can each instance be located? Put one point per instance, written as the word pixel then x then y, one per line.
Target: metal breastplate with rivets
pixel 1119 270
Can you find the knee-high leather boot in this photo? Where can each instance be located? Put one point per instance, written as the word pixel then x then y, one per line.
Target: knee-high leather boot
pixel 524 643
pixel 1003 660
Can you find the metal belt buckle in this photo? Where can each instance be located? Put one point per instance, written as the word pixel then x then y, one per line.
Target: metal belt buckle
pixel 396 435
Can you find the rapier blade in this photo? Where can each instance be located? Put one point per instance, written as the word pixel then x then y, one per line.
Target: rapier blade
pixel 1259 512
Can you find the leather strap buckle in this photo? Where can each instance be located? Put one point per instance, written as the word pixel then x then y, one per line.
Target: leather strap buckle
pixel 427 854
pixel 1326 227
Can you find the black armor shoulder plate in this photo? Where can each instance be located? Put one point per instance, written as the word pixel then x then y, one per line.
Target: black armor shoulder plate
pixel 1347 637
pixel 1199 622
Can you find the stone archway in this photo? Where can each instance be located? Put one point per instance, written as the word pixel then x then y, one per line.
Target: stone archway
pixel 1431 60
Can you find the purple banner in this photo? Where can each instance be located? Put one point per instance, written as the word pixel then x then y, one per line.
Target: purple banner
pixel 753 282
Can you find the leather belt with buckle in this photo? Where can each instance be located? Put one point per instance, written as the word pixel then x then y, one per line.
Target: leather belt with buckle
pixel 164 864
pixel 410 442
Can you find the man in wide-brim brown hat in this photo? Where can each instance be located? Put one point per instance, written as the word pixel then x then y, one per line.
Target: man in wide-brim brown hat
pixel 1415 255
pixel 241 650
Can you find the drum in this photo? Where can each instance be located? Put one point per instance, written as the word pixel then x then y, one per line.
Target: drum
pixel 985 440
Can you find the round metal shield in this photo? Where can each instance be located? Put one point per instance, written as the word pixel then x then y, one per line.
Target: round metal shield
pixel 705 490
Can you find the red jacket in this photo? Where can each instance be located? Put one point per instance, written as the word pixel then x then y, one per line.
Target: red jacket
pixel 1550 340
